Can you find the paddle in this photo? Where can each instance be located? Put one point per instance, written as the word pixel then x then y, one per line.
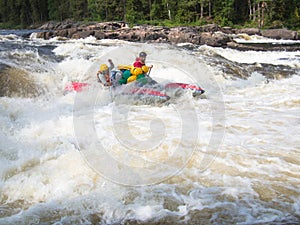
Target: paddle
pixel 148 74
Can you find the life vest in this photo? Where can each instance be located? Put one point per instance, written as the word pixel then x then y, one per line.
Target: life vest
pixel 131 73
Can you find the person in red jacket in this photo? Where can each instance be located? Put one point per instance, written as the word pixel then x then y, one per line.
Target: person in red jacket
pixel 141 61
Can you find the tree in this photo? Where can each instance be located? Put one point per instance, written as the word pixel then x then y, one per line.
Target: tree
pixel 94 9
pixel 39 11
pixel 78 9
pixel 58 10
pixel 223 12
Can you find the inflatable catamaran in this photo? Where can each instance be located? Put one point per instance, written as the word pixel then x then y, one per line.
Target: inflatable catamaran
pixel 143 87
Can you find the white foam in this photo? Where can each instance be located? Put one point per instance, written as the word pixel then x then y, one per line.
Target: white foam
pixel 254 39
pixel 256 164
pixel 289 58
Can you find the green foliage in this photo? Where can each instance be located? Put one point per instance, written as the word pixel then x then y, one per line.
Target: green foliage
pixel 248 13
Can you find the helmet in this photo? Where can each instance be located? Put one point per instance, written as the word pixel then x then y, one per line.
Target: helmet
pixel 136 71
pixel 145 69
pixel 103 67
pixel 143 54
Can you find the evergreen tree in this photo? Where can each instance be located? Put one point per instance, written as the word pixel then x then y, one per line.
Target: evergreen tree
pixel 95 10
pixel 259 13
pixel 78 9
pixel 58 10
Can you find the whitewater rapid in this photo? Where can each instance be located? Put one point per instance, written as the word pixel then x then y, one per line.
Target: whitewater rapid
pixel 232 157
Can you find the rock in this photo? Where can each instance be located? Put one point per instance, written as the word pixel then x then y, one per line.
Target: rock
pixel 211 34
pixel 183 34
pixel 99 34
pixel 135 37
pixel 45 34
pixel 249 31
pixel 15 82
pixel 262 47
pixel 109 26
pixel 280 34
pixel 209 28
pixel 71 32
pixel 83 34
pixel 114 35
pixel 227 30
pixel 154 36
pixel 175 36
pixel 217 39
pixel 61 33
pixel 206 38
pixel 48 26
pixel 66 24
pixel 41 35
pixel 220 38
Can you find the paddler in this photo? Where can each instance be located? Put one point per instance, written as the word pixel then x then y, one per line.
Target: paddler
pixel 139 68
pixel 104 73
pixel 141 61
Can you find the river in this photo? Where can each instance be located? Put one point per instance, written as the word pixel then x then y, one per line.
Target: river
pixel 230 157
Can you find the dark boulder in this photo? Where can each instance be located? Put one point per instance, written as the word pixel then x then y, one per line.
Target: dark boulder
pixel 99 34
pixel 62 33
pixel 153 36
pixel 280 34
pixel 45 34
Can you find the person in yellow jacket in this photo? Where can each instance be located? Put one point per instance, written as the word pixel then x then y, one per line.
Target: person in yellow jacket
pixel 104 72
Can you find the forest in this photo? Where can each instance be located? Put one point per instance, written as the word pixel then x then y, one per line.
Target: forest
pixel 236 13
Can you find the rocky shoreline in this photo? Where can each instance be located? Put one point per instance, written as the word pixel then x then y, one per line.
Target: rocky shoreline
pixel 211 34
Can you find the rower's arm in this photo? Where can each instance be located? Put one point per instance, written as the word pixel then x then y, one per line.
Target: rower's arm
pixel 111 64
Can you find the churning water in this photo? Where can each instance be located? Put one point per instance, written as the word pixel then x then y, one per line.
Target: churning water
pixel 232 157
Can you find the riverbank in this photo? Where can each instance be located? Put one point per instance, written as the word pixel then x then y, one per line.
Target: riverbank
pixel 211 35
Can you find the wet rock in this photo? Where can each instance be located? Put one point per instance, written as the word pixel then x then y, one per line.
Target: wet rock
pixel 273 71
pixel 71 32
pixel 61 33
pixel 262 47
pixel 280 34
pixel 15 82
pixel 41 35
pixel 45 35
pixel 220 39
pixel 83 34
